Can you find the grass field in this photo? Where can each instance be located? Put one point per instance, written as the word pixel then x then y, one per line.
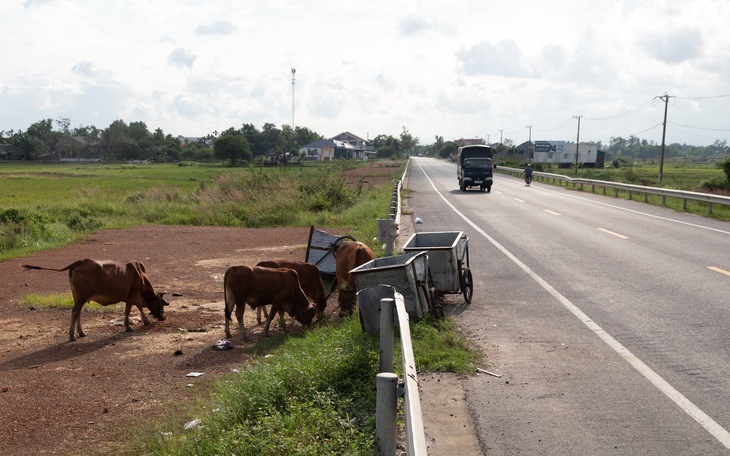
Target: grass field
pixel 44 206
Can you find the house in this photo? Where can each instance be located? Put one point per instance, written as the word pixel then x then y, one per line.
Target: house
pixel 73 147
pixel 562 154
pixel 344 145
pixel 10 152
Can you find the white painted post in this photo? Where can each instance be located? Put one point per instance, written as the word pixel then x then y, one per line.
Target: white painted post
pixel 387 309
pixel 385 413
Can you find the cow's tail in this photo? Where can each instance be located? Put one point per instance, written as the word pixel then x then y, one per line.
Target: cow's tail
pixel 70 267
pixel 226 297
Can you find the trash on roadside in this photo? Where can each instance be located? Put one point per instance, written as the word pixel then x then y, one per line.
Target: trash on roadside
pixel 223 344
pixel 195 374
pixel 191 424
pixel 120 321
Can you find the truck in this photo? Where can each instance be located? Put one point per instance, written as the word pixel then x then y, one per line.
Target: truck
pixel 474 167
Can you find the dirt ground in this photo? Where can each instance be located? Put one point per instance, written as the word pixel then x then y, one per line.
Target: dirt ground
pixel 88 396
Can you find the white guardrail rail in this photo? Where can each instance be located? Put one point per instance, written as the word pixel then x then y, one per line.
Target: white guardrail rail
pixel 388 387
pixel 665 193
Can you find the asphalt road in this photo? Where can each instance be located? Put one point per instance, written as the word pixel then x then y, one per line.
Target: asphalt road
pixel 608 319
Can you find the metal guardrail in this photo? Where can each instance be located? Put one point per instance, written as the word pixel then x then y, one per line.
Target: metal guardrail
pixel 388 228
pixel 388 388
pixel 630 188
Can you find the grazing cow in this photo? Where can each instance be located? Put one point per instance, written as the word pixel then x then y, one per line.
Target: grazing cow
pixel 109 282
pixel 309 279
pixel 348 256
pixel 257 286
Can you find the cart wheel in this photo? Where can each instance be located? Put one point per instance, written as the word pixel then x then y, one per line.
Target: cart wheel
pixel 436 309
pixel 467 285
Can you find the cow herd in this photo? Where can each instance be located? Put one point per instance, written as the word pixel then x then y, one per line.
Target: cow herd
pixel 288 286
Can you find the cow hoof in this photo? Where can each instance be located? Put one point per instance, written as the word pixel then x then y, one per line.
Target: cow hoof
pixel 129 330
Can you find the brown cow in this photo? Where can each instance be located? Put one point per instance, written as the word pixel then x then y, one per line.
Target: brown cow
pixel 310 280
pixel 348 256
pixel 109 282
pixel 257 286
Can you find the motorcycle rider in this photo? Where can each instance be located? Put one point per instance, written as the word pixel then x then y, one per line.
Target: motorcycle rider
pixel 528 174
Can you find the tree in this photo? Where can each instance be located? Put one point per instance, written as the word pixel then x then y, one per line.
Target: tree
pixel 407 141
pixel 386 146
pixel 232 145
pixel 447 149
pixel 725 166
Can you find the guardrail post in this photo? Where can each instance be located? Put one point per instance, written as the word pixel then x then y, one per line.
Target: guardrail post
pixel 387 308
pixel 385 412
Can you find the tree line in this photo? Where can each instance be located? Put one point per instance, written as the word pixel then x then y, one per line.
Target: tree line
pixel 121 141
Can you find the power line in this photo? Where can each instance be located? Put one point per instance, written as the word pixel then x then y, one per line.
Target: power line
pixel 565 123
pixel 704 98
pixel 699 128
pixel 642 107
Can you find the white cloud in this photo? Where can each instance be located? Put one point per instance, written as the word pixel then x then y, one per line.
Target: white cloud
pixel 501 59
pixel 434 66
pixel 676 46
pixel 216 28
pixel 182 58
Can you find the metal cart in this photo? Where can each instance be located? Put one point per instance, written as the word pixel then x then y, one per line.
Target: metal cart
pixel 408 274
pixel 448 259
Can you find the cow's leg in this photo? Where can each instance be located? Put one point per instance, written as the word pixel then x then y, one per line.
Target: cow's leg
pixel 282 321
pixel 76 320
pixel 145 320
pixel 240 309
pixel 228 330
pixel 259 311
pixel 275 309
pixel 127 309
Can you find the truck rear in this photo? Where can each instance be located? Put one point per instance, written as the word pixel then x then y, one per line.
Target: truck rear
pixel 474 167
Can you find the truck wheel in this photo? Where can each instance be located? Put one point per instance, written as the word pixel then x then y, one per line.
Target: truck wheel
pixel 489 188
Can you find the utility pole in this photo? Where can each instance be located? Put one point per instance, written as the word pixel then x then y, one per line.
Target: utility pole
pixel 577 144
pixel 665 99
pixel 500 136
pixel 292 99
pixel 531 151
pixel 487 140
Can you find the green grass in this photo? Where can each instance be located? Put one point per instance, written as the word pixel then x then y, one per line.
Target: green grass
pixel 320 384
pixel 63 301
pixel 45 206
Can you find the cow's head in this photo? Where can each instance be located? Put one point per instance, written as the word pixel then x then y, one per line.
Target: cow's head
pixel 306 316
pixel 156 305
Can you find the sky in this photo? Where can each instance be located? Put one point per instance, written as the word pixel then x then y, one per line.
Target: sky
pixel 499 70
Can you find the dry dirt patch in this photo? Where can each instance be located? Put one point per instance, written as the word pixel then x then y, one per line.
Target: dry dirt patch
pixel 58 397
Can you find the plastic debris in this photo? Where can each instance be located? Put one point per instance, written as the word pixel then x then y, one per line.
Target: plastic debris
pixel 223 344
pixel 418 221
pixel 191 424
pixel 195 374
pixel 120 321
